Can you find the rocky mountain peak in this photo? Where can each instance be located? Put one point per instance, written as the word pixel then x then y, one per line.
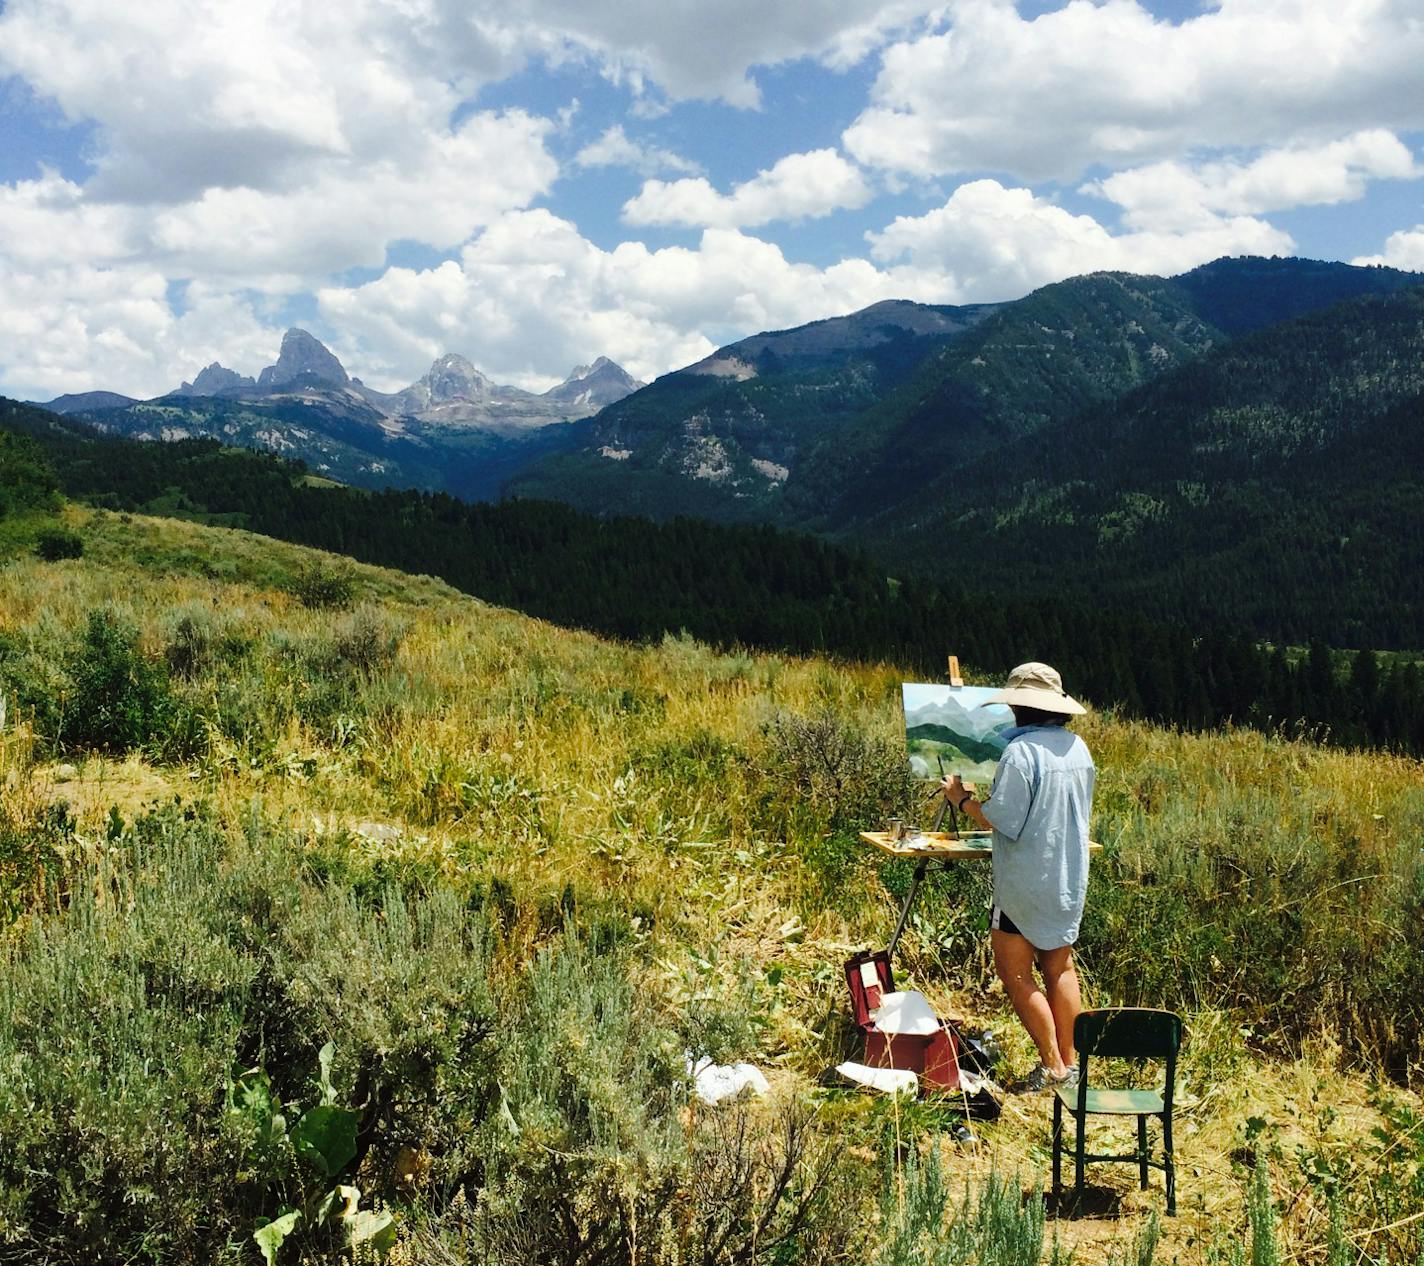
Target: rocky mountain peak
pixel 303 361
pixel 595 385
pixel 216 380
pixel 452 377
pixel 450 382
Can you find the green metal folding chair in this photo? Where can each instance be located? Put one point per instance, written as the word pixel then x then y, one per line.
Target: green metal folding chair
pixel 1121 1033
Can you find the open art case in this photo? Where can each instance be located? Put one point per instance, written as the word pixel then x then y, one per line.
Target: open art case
pixel 919 1043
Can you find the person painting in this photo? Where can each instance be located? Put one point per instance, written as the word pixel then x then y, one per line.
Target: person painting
pixel 1038 810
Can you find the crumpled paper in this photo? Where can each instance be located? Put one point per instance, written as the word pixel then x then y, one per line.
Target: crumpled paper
pixel 712 1083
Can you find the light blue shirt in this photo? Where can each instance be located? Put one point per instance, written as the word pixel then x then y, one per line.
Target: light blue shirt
pixel 1039 809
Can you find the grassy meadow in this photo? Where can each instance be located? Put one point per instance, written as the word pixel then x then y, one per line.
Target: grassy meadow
pixel 345 916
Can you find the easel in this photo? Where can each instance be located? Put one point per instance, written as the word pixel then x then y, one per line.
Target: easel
pixel 922 866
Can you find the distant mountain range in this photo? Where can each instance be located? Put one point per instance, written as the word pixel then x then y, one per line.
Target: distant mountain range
pixel 832 425
pixel 452 430
pixel 1227 446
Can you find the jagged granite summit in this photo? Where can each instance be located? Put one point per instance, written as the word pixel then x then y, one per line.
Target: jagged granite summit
pixel 453 393
pixel 304 361
pixel 594 386
pixel 451 378
pixel 215 380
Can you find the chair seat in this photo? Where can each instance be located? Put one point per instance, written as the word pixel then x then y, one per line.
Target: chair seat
pixel 1129 1103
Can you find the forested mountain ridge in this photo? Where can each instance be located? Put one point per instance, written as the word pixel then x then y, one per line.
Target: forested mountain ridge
pixel 719 438
pixel 1239 487
pixel 739 585
pixel 812 446
pixel 823 449
pixel 1246 294
pixel 1029 366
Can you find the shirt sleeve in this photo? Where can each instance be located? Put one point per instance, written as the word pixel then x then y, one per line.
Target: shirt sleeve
pixel 1007 808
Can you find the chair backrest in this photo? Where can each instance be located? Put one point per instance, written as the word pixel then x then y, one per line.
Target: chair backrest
pixel 1128 1033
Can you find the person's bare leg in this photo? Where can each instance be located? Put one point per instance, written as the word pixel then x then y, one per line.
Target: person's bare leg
pixel 1060 980
pixel 1013 960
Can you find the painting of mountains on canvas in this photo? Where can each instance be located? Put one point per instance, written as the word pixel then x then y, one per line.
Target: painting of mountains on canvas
pixel 949 730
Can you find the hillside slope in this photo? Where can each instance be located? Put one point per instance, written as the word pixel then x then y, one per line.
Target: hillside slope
pixel 1274 483
pixel 742 585
pixel 510 873
pixel 1026 368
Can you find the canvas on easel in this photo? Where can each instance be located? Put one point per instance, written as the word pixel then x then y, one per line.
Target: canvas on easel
pixel 953 730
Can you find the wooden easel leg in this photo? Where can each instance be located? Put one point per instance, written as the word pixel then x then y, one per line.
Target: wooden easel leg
pixel 921 867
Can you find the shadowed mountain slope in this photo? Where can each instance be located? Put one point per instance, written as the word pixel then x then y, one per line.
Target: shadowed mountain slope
pixel 824 426
pixel 1274 484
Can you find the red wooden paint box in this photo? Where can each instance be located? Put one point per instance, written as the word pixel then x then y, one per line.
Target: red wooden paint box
pixel 934 1056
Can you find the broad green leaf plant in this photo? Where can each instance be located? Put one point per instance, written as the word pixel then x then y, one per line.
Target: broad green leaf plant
pixel 323 1140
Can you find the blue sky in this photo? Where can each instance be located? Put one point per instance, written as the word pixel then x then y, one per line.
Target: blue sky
pixel 649 179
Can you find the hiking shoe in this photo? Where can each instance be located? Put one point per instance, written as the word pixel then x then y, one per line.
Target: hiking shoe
pixel 1041 1080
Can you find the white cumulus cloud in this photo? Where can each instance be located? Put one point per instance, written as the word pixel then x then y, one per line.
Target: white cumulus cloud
pixel 279 81
pixel 1175 195
pixel 87 328
pixel 437 191
pixel 85 282
pixel 616 149
pixel 693 49
pixel 1404 249
pixel 204 93
pixel 530 297
pixel 989 242
pixel 1048 97
pixel 797 187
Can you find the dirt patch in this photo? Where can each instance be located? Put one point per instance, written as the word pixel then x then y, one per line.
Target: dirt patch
pixel 94 786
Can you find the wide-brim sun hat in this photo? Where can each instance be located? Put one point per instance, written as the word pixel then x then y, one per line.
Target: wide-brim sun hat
pixel 1038 686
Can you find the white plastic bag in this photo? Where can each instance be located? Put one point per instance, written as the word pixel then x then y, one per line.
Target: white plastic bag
pixel 712 1083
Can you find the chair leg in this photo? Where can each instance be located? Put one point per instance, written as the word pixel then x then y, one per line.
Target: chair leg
pixel 1142 1151
pixel 1082 1132
pixel 1171 1169
pixel 1057 1150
